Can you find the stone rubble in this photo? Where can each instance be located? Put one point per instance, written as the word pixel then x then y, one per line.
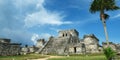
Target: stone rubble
pixel 7 48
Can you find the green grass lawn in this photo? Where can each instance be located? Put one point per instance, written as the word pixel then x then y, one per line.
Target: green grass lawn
pixel 22 57
pixel 101 57
pixel 71 57
pixel 80 57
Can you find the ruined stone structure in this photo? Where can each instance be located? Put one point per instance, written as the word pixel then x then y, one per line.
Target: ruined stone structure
pixel 68 42
pixel 115 47
pixel 91 43
pixel 28 49
pixel 118 48
pixel 40 43
pixel 33 49
pixel 7 48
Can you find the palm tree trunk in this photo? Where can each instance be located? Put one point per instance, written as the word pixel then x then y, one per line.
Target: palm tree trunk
pixel 102 16
pixel 105 30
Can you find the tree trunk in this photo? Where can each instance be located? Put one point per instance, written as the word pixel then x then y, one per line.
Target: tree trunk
pixel 105 30
pixel 102 16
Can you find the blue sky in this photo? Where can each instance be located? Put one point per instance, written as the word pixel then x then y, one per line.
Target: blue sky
pixel 25 21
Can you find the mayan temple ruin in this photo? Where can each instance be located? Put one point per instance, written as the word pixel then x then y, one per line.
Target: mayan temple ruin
pixel 68 42
pixel 7 48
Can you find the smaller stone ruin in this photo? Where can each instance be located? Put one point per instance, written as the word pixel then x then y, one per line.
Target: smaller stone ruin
pixel 28 49
pixel 7 48
pixel 115 47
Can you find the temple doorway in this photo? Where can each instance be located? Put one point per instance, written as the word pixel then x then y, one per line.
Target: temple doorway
pixel 74 49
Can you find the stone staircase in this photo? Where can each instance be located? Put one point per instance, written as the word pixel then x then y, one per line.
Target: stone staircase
pixel 55 46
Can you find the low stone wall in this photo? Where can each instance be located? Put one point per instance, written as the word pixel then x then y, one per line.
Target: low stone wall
pixel 8 49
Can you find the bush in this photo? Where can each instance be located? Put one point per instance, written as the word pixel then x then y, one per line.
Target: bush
pixel 109 53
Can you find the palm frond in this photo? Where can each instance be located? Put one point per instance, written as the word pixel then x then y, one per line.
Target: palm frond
pixel 98 5
pixel 106 16
pixel 95 6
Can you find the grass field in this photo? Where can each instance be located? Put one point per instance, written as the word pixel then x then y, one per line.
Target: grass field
pixel 84 57
pixel 22 57
pixel 102 57
pixel 71 57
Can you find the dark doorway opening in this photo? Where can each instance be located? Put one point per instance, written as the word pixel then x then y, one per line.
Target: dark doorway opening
pixel 63 35
pixel 66 34
pixel 74 49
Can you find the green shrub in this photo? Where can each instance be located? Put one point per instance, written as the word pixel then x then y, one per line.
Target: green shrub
pixel 109 53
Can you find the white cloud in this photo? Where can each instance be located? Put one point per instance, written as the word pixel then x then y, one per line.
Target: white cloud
pixel 116 16
pixel 43 16
pixel 25 3
pixel 24 37
pixel 35 37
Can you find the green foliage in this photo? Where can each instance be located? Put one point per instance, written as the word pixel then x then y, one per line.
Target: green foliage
pixel 109 53
pixel 102 6
pixel 98 5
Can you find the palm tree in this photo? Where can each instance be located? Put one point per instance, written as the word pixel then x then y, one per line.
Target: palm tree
pixel 102 6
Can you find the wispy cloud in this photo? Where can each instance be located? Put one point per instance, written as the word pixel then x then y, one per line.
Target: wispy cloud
pixel 44 16
pixel 116 16
pixel 14 14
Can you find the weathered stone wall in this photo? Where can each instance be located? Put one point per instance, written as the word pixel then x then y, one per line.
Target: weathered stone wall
pixel 28 49
pixel 91 43
pixel 76 49
pixel 40 43
pixel 9 49
pixel 61 45
pixel 55 46
pixel 68 43
pixel 3 40
pixel 118 48
pixel 115 47
pixel 68 33
pixel 24 50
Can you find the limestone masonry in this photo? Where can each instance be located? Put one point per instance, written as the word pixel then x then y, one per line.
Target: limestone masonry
pixel 68 42
pixel 7 48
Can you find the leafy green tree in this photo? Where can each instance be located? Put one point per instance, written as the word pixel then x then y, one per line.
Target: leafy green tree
pixel 102 6
pixel 109 53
